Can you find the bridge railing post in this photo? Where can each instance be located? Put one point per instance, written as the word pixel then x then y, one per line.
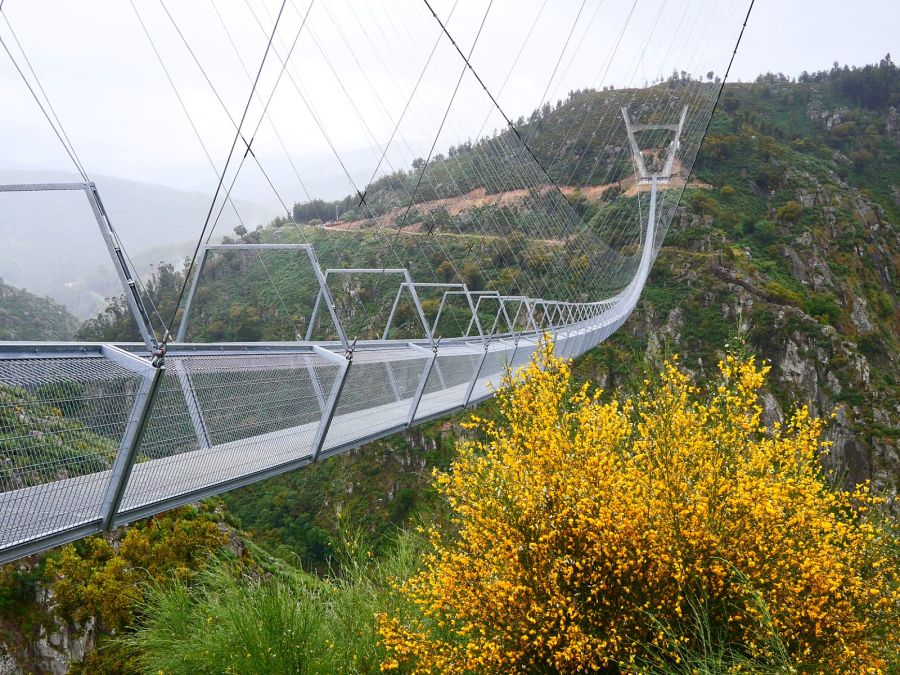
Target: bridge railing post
pixel 131 440
pixel 189 299
pixel 487 346
pixel 193 406
pixel 423 381
pixel 124 272
pixel 511 364
pixel 334 397
pixel 317 388
pixel 390 319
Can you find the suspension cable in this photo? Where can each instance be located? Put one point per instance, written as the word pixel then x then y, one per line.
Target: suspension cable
pixel 722 86
pixel 182 103
pixel 271 123
pixel 215 198
pixel 439 130
pixel 496 104
pixel 262 117
pixel 561 54
pixel 63 137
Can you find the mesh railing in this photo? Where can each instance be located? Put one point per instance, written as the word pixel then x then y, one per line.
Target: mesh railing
pixel 62 420
pixel 219 419
pixel 494 367
pixel 378 394
pixel 227 417
pixel 449 379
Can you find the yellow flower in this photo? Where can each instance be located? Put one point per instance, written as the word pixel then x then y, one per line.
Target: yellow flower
pixel 584 533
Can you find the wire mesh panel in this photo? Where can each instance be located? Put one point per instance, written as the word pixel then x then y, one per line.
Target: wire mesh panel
pixel 523 353
pixel 378 393
pixel 574 339
pixel 493 369
pixel 221 417
pixel 61 422
pixel 562 344
pixel 449 379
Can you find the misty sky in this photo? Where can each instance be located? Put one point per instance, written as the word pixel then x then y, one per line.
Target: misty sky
pixel 106 84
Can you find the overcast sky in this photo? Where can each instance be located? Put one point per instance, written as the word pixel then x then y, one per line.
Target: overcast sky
pixel 352 68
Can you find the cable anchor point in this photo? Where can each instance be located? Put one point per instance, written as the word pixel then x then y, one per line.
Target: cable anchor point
pixel 350 349
pixel 159 354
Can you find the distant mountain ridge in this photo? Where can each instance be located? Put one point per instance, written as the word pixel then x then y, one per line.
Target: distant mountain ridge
pixel 25 316
pixel 52 245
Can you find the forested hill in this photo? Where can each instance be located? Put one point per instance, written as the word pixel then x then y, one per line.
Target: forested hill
pixel 787 232
pixel 783 108
pixel 794 243
pixel 25 316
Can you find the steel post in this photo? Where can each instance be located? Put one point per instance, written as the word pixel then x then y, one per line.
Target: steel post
pixel 512 359
pixel 193 406
pixel 332 403
pixel 423 380
pixel 635 149
pixel 317 387
pixel 390 319
pixel 392 381
pixel 313 316
pixel 418 305
pixel 134 431
pixel 477 373
pixel 189 301
pixel 114 247
pixel 326 295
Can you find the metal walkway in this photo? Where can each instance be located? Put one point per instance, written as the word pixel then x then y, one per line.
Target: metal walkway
pixel 258 406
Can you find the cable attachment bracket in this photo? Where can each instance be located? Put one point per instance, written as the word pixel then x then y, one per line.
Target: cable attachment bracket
pixel 159 354
pixel 350 349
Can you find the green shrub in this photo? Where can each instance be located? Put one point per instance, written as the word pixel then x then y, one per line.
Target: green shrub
pixel 822 307
pixel 701 203
pixel 790 212
pixel 782 294
pixel 763 231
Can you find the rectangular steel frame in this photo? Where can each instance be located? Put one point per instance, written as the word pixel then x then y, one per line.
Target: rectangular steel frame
pixel 113 247
pixel 501 310
pixel 463 290
pixel 313 261
pixel 407 283
pixel 123 461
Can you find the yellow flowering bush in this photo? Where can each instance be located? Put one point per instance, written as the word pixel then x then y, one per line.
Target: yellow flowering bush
pixel 96 578
pixel 587 533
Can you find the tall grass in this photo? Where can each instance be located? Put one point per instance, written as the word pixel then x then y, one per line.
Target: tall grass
pixel 698 644
pixel 224 622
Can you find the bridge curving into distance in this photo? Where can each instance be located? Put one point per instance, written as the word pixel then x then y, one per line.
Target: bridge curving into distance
pixel 96 435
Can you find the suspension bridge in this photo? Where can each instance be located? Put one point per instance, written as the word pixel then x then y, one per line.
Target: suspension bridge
pixel 97 435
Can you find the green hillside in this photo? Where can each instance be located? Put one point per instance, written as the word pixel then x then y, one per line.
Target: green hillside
pixel 25 316
pixel 792 245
